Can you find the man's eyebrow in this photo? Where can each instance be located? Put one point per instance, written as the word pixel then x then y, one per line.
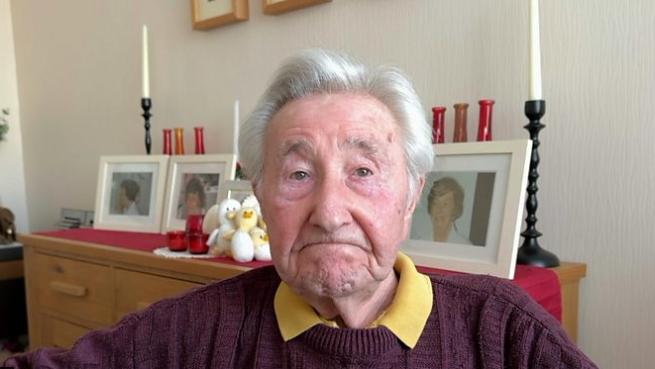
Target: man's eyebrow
pixel 300 146
pixel 360 143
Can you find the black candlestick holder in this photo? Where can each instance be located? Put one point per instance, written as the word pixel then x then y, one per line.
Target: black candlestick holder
pixel 530 253
pixel 146 104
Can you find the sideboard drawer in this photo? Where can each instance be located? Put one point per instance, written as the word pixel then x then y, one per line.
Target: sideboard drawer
pixel 75 288
pixel 60 333
pixel 135 290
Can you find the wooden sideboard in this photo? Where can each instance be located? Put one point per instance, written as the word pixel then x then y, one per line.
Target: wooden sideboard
pixel 569 275
pixel 73 287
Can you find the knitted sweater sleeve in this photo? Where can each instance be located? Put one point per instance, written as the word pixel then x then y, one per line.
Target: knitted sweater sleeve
pixel 529 337
pixel 105 348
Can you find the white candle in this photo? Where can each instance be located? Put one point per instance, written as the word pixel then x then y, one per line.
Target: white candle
pixel 146 71
pixel 236 128
pixel 535 53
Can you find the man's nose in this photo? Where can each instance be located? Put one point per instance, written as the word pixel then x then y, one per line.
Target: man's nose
pixel 331 205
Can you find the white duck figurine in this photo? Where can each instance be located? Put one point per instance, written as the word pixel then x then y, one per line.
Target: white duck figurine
pixel 243 249
pixel 220 245
pixel 251 200
pixel 260 241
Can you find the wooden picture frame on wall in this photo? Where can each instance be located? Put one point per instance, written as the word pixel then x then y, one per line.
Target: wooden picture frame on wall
pixel 207 14
pixel 283 6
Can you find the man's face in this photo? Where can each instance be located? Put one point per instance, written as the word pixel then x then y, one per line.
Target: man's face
pixel 334 193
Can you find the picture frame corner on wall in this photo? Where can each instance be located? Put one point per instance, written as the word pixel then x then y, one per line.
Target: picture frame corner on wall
pixel 275 7
pixel 236 189
pixel 130 193
pixel 469 215
pixel 208 14
pixel 202 175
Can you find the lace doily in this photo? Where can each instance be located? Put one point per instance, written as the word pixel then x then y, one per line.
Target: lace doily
pixel 165 252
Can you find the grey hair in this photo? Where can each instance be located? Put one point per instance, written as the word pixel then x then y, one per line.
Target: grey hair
pixel 317 71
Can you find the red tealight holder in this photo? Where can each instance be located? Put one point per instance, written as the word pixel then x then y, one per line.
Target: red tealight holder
pixel 194 223
pixel 198 243
pixel 176 240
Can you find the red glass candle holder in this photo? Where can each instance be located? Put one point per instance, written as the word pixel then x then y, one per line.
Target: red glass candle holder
pixel 194 223
pixel 197 243
pixel 176 240
pixel 484 127
pixel 438 114
pixel 200 140
pixel 167 142
pixel 179 141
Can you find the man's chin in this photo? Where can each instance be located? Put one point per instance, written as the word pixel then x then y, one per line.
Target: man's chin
pixel 331 284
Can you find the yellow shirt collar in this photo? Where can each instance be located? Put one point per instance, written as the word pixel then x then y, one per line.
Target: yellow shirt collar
pixel 406 316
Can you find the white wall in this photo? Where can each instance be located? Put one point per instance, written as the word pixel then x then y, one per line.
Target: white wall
pixel 79 82
pixel 12 177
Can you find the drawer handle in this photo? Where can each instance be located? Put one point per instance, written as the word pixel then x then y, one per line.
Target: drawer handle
pixel 68 289
pixel 142 305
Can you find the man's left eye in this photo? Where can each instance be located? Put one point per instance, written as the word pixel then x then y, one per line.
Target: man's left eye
pixel 363 172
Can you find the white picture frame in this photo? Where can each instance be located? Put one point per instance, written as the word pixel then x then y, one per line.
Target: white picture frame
pixel 472 220
pixel 184 175
pixel 130 193
pixel 237 190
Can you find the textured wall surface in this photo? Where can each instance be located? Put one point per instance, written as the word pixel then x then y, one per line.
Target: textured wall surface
pixel 12 175
pixel 78 68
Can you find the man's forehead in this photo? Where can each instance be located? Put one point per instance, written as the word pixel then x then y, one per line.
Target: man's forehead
pixel 345 121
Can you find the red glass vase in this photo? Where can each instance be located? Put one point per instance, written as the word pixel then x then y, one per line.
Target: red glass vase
pixel 200 140
pixel 167 142
pixel 438 114
pixel 460 134
pixel 484 127
pixel 179 141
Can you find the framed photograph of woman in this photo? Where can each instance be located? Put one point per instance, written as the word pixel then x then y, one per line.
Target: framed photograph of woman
pixel 469 214
pixel 195 183
pixel 130 193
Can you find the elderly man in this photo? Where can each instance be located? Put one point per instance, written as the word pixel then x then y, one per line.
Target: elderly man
pixel 337 155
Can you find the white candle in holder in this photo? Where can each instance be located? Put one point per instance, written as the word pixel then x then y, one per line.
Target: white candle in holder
pixel 535 53
pixel 146 71
pixel 236 128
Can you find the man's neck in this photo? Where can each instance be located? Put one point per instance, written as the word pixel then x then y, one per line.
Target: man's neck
pixel 359 310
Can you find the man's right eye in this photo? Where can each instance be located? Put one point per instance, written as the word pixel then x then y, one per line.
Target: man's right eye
pixel 299 175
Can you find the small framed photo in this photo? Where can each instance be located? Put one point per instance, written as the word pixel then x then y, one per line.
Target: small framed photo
pixel 194 185
pixel 283 6
pixel 130 193
pixel 209 14
pixel 237 190
pixel 469 214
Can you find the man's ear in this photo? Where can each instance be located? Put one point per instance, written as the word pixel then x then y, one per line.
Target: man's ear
pixel 415 198
pixel 256 186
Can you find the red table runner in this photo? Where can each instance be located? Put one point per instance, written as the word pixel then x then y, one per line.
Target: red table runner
pixel 542 284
